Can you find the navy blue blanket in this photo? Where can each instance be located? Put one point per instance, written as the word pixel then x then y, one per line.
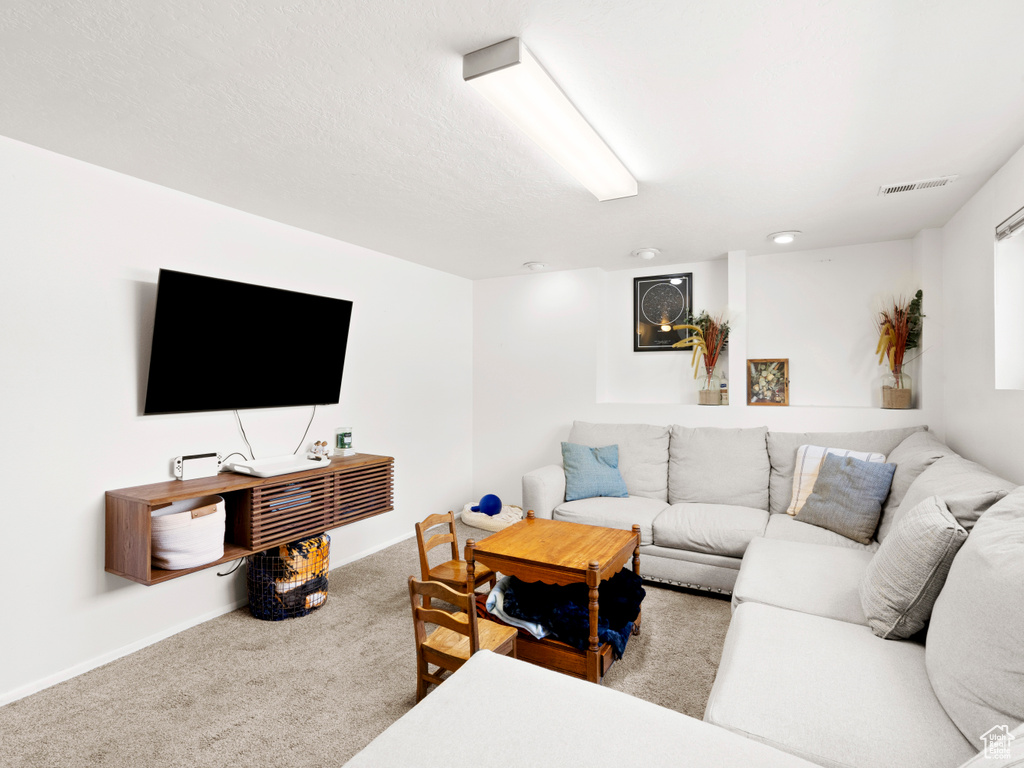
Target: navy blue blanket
pixel 566 610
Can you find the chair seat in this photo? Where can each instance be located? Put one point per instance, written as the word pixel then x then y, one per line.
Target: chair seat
pixel 451 645
pixel 454 573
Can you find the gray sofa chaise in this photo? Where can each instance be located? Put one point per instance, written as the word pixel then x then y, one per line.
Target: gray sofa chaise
pixel 701 495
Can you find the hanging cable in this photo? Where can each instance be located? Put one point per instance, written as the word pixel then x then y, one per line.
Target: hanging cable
pixel 242 429
pixel 306 432
pixel 237 566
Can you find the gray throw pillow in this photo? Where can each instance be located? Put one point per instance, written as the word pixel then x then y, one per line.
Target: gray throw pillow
pixel 906 575
pixel 848 496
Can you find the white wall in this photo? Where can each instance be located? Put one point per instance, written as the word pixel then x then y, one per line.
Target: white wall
pixel 81 250
pixel 982 422
pixel 817 308
pixel 625 376
pixel 542 360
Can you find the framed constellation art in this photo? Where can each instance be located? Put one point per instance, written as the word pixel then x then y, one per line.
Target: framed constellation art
pixel 659 302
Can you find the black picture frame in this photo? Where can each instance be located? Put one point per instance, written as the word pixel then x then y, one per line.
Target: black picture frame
pixel 658 301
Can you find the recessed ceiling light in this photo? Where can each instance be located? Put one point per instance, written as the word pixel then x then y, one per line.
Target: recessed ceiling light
pixel 508 76
pixel 785 237
pixel 535 266
pixel 646 253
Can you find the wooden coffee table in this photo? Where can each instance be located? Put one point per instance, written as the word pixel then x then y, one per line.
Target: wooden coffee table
pixel 557 552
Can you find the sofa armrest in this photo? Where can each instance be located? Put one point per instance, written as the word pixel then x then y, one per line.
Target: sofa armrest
pixel 544 489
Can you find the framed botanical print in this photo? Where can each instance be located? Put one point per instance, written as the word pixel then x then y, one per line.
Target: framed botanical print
pixel 659 302
pixel 768 382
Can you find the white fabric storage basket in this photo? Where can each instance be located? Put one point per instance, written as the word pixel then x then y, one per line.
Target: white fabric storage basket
pixel 188 533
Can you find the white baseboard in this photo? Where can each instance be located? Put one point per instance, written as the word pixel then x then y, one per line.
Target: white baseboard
pixel 98 661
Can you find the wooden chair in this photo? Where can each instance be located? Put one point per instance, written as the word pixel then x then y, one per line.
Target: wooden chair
pixel 453 572
pixel 457 636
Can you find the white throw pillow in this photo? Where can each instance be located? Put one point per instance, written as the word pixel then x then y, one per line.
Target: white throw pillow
pixel 809 459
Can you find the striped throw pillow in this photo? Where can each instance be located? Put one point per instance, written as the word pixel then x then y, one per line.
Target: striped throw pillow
pixel 808 463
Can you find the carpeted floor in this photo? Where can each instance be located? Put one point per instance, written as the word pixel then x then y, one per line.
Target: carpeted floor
pixel 310 691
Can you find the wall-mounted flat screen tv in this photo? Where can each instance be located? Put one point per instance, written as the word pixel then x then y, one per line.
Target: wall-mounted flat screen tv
pixel 223 345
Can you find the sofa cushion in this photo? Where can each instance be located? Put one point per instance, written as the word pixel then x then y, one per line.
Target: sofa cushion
pixel 614 513
pixel 717 529
pixel 782 526
pixel 782 454
pixel 830 692
pixel 974 655
pixel 592 472
pixel 810 578
pixel 718 466
pixel 848 496
pixel 968 489
pixel 643 453
pixel 909 569
pixel 911 457
pixel 545 718
pixel 809 459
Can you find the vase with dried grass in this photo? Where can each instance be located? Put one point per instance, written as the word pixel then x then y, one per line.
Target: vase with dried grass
pixel 899 330
pixel 709 336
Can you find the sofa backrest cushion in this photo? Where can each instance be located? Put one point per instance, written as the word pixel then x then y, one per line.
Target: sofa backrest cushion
pixel 643 453
pixel 973 650
pixel 782 454
pixel 708 465
pixel 911 457
pixel 968 489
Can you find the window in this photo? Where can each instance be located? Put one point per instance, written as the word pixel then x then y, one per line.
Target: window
pixel 1009 302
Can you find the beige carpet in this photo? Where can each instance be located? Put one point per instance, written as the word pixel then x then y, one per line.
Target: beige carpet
pixel 310 691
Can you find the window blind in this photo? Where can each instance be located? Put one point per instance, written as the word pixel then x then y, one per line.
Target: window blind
pixel 1009 227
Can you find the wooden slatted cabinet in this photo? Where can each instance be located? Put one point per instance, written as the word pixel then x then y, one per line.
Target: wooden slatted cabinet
pixel 261 512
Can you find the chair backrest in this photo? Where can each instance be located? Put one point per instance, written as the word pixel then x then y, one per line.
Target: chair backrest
pixel 464 623
pixel 436 540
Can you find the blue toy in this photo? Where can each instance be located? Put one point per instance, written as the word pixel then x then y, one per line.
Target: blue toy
pixel 490 505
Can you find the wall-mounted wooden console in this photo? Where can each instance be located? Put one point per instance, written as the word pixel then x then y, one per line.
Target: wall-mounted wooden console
pixel 262 512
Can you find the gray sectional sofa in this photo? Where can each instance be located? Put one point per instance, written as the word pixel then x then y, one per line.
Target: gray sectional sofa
pixel 701 495
pixel 801 669
pixel 803 680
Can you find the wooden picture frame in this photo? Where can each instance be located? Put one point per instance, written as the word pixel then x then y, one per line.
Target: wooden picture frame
pixel 768 381
pixel 659 302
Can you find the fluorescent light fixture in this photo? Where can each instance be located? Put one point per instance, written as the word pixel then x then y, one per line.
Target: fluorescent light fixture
pixel 784 238
pixel 509 77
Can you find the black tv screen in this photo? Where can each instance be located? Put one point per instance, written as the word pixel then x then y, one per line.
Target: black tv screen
pixel 223 345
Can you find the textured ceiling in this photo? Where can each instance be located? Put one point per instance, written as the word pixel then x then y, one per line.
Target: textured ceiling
pixel 351 119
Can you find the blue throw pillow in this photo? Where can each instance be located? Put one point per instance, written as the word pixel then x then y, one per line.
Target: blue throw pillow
pixel 592 472
pixel 848 496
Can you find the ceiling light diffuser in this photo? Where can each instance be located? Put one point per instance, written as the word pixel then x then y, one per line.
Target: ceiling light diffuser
pixel 783 238
pixel 646 253
pixel 509 77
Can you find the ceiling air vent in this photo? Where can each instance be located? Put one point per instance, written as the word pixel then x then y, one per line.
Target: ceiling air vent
pixel 910 186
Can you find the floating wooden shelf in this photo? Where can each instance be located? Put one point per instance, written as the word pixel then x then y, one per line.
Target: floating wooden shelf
pixel 262 512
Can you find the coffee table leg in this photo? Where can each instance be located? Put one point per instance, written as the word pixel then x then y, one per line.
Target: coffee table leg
pixel 594 652
pixel 636 570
